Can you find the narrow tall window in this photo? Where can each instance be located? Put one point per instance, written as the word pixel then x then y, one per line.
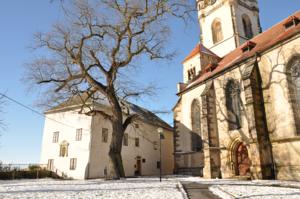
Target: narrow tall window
pixel 73 163
pixel 137 142
pixel 247 26
pixel 78 135
pixel 233 105
pixel 217 32
pixel 191 73
pixel 125 139
pixel 63 150
pixel 196 126
pixel 104 135
pixel 293 77
pixel 50 165
pixel 55 137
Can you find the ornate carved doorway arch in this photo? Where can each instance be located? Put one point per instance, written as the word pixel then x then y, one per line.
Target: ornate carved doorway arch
pixel 239 158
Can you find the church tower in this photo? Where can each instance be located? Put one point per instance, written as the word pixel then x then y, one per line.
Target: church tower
pixel 227 24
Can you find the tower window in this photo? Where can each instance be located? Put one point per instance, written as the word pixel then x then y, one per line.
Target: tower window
pixel 293 77
pixel 191 73
pixel 247 26
pixel 217 33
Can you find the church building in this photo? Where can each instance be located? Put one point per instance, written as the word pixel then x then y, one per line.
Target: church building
pixel 238 112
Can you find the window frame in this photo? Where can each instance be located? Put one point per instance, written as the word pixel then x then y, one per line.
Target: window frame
pixel 125 139
pixel 137 142
pixel 293 66
pixel 247 26
pixel 62 152
pixel 55 137
pixel 78 136
pixel 233 107
pixel 217 31
pixel 73 163
pixel 104 135
pixel 196 141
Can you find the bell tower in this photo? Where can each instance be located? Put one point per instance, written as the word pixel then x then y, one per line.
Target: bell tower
pixel 227 24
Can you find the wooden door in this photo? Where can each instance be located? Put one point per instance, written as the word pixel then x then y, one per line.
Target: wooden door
pixel 242 160
pixel 138 171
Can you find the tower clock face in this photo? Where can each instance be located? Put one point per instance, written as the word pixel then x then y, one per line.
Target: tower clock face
pixel 205 3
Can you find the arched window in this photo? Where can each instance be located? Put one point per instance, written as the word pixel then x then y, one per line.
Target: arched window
pixel 293 76
pixel 247 26
pixel 217 31
pixel 233 105
pixel 63 149
pixel 196 126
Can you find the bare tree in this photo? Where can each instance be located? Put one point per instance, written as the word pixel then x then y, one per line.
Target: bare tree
pixel 91 53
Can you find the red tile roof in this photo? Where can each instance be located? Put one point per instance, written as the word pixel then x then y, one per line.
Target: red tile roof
pixel 275 35
pixel 199 49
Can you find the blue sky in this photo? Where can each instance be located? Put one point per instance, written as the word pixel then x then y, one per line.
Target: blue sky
pixel 20 142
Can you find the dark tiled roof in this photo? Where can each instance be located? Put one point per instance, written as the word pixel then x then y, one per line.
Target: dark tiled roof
pixel 262 42
pixel 144 114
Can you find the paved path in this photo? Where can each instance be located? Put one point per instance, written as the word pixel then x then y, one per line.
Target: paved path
pixel 198 191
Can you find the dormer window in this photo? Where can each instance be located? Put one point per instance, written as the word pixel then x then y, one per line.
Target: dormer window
pixel 291 22
pixel 248 46
pixel 191 73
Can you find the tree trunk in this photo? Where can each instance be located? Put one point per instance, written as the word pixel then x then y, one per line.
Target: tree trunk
pixel 116 149
pixel 117 136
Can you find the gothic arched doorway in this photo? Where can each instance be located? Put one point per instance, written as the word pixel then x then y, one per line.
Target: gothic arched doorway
pixel 242 160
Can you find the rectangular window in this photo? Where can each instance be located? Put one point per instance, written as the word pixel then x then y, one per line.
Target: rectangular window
pixel 104 135
pixel 155 145
pixel 158 164
pixel 137 142
pixel 73 163
pixel 55 137
pixel 50 165
pixel 125 139
pixel 78 134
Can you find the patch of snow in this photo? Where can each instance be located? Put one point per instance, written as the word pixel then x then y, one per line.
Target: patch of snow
pixel 89 189
pixel 254 192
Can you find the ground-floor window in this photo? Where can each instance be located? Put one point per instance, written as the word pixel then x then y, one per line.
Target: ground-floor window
pixel 158 164
pixel 50 165
pixel 73 163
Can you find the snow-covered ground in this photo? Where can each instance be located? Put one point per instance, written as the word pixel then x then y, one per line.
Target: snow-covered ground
pixel 149 188
pixel 257 189
pixel 130 188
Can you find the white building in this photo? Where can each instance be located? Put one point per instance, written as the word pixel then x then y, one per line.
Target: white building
pixel 77 145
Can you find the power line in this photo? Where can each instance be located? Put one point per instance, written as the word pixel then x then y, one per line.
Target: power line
pixel 34 111
pixel 44 116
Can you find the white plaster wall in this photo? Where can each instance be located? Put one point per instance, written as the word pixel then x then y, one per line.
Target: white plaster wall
pixel 147 134
pixel 223 13
pixel 186 100
pixel 67 131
